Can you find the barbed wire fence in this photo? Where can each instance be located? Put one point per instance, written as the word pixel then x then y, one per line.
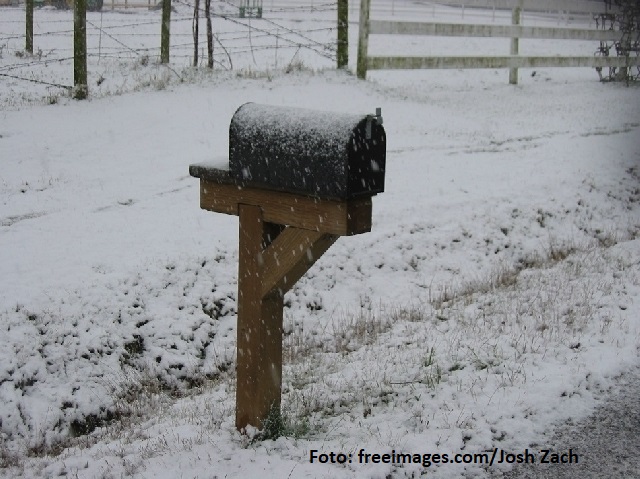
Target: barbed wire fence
pixel 287 36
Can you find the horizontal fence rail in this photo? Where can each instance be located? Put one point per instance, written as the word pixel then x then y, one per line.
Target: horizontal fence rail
pixel 112 4
pixel 514 31
pixel 508 31
pixel 576 6
pixel 416 63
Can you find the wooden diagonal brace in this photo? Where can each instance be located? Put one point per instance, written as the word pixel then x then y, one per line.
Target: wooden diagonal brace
pixel 289 257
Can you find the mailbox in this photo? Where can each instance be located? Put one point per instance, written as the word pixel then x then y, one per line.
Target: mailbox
pixel 297 180
pixel 314 153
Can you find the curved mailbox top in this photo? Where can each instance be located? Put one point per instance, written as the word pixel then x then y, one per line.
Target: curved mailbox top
pixel 310 152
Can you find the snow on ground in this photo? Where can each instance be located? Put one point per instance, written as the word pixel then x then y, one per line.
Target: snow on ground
pixel 495 298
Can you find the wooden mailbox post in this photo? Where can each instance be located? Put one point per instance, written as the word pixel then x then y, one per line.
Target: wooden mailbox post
pixel 287 221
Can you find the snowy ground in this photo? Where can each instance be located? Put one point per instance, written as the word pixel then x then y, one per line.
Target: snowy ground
pixel 495 298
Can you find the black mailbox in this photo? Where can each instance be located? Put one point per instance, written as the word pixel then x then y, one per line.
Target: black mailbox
pixel 315 153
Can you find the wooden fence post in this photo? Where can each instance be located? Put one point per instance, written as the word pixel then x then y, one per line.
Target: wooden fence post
pixel 343 33
pixel 363 39
pixel 515 44
pixel 207 14
pixel 80 50
pixel 195 27
pixel 165 31
pixel 29 26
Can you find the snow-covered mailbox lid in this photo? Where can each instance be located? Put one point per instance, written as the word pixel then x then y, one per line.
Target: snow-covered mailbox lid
pixel 316 153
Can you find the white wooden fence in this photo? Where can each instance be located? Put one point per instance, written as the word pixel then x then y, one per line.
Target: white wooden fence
pixel 515 31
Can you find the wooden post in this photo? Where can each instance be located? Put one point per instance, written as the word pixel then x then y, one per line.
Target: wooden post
pixel 207 14
pixel 80 50
pixel 515 44
pixel 272 258
pixel 363 39
pixel 195 24
pixel 259 336
pixel 165 31
pixel 29 26
pixel 343 33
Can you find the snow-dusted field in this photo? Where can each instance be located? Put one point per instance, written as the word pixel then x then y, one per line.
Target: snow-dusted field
pixel 495 298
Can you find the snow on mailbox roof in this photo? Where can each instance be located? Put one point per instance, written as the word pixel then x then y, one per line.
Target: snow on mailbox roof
pixel 327 126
